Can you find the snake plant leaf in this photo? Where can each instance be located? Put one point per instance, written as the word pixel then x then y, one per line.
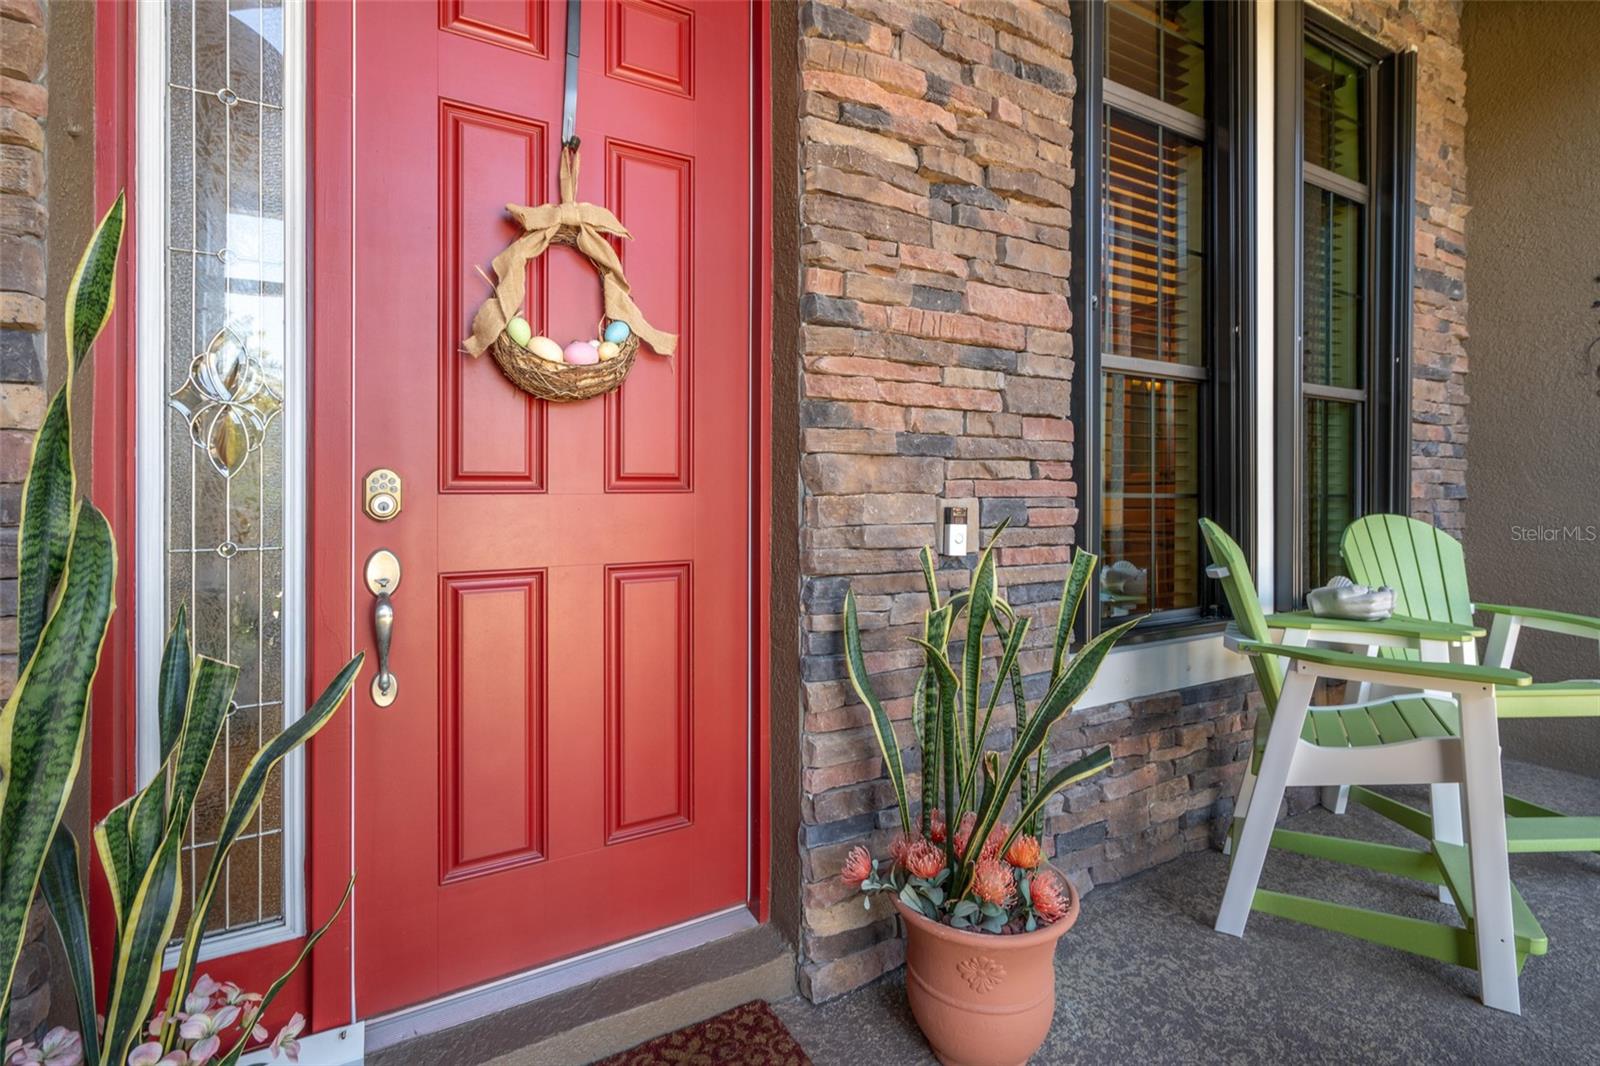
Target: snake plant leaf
pixel 173 689
pixel 241 808
pixel 63 891
pixel 888 744
pixel 93 290
pixel 925 706
pixel 46 522
pixel 142 946
pixel 1008 659
pixel 1057 702
pixel 1071 596
pixel 1093 763
pixel 984 592
pixel 231 1058
pixel 42 726
pixel 928 577
pixel 210 695
pixel 112 842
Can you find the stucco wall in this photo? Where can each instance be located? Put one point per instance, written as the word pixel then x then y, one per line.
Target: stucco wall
pixel 1533 535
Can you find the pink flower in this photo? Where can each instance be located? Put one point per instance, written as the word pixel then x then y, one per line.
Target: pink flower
pixel 992 882
pixel 58 1048
pixel 1049 896
pixel 1024 852
pixel 148 1054
pixel 857 866
pixel 199 997
pixel 924 859
pixel 937 830
pixel 286 1041
pixel 902 847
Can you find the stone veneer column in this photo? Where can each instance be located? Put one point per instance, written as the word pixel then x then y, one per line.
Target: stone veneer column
pixel 24 102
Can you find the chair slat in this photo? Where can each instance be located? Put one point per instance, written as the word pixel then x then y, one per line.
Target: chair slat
pixel 1420 717
pixel 1391 723
pixel 1358 726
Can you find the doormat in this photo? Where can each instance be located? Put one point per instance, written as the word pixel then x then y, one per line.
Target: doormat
pixel 747 1035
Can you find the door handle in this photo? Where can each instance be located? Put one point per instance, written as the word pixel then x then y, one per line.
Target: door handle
pixel 383 577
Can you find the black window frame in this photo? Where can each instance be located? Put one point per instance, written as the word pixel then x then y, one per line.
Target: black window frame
pixel 1384 471
pixel 1228 426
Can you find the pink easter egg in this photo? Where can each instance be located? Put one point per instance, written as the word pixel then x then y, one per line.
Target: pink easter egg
pixel 582 353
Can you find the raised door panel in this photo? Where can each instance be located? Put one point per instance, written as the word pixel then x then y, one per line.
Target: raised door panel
pixel 492 722
pixel 493 434
pixel 651 43
pixel 650 426
pixel 648 716
pixel 518 24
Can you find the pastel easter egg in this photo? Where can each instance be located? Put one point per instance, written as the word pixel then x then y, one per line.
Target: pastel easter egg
pixel 617 332
pixel 608 350
pixel 582 353
pixel 546 349
pixel 519 330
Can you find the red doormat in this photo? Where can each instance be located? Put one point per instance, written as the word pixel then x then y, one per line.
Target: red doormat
pixel 747 1035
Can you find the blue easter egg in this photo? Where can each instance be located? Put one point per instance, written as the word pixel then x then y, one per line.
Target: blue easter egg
pixel 617 332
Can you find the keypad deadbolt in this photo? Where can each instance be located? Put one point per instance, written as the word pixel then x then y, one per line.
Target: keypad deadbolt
pixel 383 495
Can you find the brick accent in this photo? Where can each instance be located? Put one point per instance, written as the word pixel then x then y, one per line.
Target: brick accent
pixel 1439 333
pixel 936 296
pixel 24 105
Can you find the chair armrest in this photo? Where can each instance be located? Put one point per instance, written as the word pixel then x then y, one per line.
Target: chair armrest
pixel 1396 625
pixel 1575 625
pixel 1402 673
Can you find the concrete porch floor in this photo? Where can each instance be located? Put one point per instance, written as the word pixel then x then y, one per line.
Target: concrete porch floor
pixel 1144 978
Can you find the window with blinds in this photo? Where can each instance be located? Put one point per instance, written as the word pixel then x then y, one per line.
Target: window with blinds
pixel 1153 361
pixel 1333 313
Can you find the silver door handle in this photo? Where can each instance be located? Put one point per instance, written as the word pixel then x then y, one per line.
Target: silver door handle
pixel 383 577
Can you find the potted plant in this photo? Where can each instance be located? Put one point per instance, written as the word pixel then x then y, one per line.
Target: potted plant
pixel 982 909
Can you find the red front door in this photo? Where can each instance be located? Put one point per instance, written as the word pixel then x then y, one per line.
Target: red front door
pixel 565 765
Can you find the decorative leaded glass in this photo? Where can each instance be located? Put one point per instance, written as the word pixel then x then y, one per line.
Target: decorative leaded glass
pixel 231 361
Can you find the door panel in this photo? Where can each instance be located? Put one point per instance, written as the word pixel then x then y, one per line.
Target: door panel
pixel 565 765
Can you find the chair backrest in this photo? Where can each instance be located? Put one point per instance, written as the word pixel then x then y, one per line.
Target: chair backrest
pixel 1233 570
pixel 1425 566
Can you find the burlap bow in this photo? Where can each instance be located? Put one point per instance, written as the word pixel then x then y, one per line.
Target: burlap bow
pixel 589 223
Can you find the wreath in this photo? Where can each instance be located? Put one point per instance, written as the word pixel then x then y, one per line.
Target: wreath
pixel 537 364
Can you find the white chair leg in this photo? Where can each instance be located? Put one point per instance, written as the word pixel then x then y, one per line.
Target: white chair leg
pixel 1241 806
pixel 1336 798
pixel 1446 804
pixel 1267 795
pixel 1491 866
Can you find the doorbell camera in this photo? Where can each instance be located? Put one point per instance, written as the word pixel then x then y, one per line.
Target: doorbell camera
pixel 953 538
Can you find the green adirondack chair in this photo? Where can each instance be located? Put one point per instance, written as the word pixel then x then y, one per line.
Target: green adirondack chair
pixel 1407 739
pixel 1428 572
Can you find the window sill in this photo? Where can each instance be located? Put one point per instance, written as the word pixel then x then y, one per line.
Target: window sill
pixel 1133 671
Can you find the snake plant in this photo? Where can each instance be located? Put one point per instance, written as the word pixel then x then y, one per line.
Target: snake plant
pixel 66 576
pixel 952 717
pixel 66 568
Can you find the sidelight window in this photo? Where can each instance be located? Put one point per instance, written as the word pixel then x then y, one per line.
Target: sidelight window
pixel 221 412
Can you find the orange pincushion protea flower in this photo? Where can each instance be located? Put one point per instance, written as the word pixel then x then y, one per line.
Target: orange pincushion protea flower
pixel 1049 896
pixel 992 882
pixel 924 859
pixel 857 866
pixel 964 832
pixel 1024 852
pixel 937 830
pixel 997 836
pixel 902 847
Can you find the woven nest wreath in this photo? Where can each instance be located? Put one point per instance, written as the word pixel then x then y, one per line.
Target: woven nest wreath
pixel 539 365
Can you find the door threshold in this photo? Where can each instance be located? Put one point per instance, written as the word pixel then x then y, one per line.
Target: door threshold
pixel 515 990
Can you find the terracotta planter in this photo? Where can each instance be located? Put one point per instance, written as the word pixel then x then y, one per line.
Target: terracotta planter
pixel 982 999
